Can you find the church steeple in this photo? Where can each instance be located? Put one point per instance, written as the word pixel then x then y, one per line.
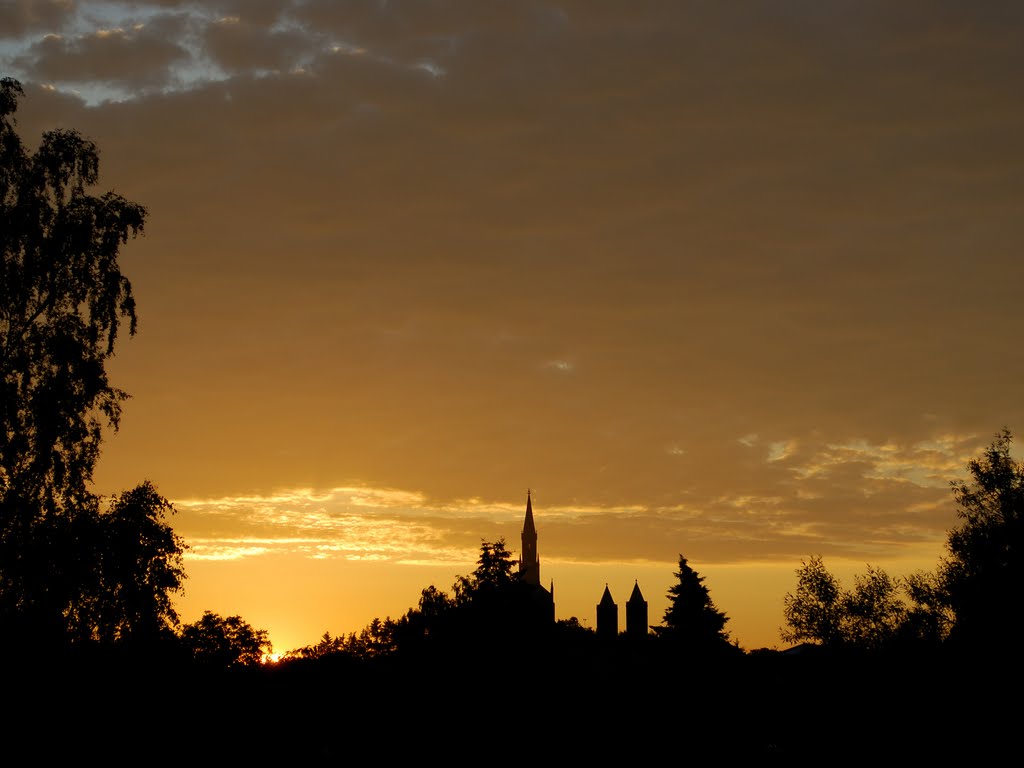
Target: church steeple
pixel 529 562
pixel 607 615
pixel 542 601
pixel 636 613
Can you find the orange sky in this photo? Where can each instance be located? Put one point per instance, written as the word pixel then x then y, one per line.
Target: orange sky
pixel 740 282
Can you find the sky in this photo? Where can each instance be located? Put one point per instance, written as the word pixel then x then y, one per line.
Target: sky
pixel 739 282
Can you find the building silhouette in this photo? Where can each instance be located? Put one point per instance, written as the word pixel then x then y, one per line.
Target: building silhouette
pixel 544 599
pixel 636 613
pixel 529 569
pixel 529 560
pixel 607 615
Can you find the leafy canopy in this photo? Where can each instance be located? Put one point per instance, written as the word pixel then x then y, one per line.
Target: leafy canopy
pixel 63 299
pixel 220 642
pixel 870 616
pixel 971 597
pixel 494 574
pixel 983 575
pixel 67 568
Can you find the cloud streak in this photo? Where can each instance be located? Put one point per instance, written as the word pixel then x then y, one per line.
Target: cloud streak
pixel 894 498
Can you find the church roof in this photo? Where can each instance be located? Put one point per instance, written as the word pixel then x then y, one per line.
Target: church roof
pixel 636 596
pixel 528 526
pixel 606 598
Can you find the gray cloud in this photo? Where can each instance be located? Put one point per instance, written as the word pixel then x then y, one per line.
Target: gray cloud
pixel 133 58
pixel 236 45
pixel 22 17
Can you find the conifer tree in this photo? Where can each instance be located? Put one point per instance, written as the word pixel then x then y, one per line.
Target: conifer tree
pixel 691 619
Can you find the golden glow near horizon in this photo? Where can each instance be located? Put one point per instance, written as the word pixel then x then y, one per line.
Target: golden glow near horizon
pixel 403 530
pixel 740 284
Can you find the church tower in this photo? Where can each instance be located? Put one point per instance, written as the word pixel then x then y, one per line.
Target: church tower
pixel 529 561
pixel 542 600
pixel 607 616
pixel 636 613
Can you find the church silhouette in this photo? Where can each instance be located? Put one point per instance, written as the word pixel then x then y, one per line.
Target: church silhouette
pixel 607 610
pixel 529 569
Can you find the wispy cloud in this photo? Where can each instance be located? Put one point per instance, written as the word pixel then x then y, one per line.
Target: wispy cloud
pixel 119 51
pixel 892 496
pixel 562 366
pixel 927 463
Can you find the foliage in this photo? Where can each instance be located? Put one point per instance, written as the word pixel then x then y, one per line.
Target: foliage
pixel 966 600
pixel 983 575
pixel 573 630
pixel 220 642
pixel 572 624
pixel 929 618
pixel 138 567
pixel 494 574
pixel 490 605
pixel 63 300
pixel 691 618
pixel 326 646
pixel 434 603
pixel 377 639
pixel 815 611
pixel 877 613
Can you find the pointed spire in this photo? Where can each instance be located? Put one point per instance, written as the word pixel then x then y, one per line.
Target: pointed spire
pixel 636 613
pixel 529 562
pixel 636 593
pixel 528 526
pixel 607 615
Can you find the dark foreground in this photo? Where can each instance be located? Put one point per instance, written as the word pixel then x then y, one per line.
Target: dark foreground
pixel 480 708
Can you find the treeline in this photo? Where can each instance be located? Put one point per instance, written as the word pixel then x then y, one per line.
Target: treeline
pixel 914 667
pixel 494 611
pixel 967 604
pixel 963 606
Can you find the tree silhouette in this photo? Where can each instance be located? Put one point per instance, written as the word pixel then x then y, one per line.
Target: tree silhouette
pixel 815 611
pixel 983 575
pixel 691 619
pixel 62 301
pixel 490 607
pixel 68 570
pixel 494 575
pixel 221 643
pixel 875 609
pixel 140 568
pixel 326 646
pixel 929 618
pixel 871 616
